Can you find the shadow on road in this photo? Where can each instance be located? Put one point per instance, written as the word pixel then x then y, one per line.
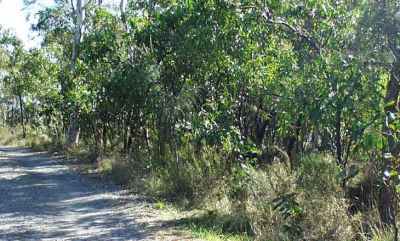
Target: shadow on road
pixel 40 198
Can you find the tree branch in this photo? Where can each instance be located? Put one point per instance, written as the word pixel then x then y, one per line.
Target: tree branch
pixel 296 30
pixel 87 4
pixel 393 47
pixel 72 6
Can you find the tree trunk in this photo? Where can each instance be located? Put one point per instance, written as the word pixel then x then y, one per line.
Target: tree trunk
pixel 98 139
pixel 73 130
pixel 387 195
pixel 104 137
pixel 123 15
pixel 386 205
pixel 338 137
pixel 73 126
pixel 21 108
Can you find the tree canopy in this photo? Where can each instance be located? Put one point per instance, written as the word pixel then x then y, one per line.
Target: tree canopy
pixel 163 82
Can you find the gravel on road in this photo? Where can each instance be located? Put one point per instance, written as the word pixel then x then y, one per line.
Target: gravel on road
pixel 42 199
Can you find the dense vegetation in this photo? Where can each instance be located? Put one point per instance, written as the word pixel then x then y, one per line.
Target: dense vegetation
pixel 279 116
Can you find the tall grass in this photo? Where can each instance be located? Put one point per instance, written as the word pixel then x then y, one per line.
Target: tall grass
pixel 244 202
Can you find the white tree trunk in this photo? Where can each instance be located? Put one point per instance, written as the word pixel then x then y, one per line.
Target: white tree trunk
pixel 74 128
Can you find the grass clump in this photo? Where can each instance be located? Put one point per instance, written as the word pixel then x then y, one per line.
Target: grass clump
pixel 214 226
pixel 216 235
pixel 190 179
pixel 33 139
pixel 11 136
pixel 301 204
pixel 319 174
pixel 121 173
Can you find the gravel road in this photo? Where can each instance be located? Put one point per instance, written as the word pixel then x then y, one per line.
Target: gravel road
pixel 42 199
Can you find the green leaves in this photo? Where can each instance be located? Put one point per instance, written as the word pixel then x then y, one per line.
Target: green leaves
pixel 287 205
pixel 237 76
pixel 289 208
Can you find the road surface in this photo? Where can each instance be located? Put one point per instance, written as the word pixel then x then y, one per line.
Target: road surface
pixel 42 199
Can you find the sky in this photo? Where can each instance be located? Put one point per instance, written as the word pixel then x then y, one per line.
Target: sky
pixel 13 16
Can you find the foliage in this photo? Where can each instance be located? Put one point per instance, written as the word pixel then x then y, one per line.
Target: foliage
pixel 274 104
pixel 280 210
pixel 319 174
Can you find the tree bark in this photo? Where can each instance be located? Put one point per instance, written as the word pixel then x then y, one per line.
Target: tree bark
pixel 386 205
pixel 21 108
pixel 73 130
pixel 387 202
pixel 73 126
pixel 338 137
pixel 123 15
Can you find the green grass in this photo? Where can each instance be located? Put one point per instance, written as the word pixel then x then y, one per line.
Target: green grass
pixel 160 205
pixel 215 227
pixel 216 235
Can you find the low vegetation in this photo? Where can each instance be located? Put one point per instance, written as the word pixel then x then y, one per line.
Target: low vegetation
pixel 277 120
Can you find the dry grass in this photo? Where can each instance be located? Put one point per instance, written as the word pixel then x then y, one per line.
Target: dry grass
pixel 242 202
pixel 306 214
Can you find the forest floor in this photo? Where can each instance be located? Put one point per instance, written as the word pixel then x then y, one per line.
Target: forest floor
pixel 41 198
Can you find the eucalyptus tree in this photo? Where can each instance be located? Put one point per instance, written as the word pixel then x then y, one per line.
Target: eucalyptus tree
pixel 64 24
pixel 13 81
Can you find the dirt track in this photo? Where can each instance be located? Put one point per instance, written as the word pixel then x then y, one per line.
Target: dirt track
pixel 41 199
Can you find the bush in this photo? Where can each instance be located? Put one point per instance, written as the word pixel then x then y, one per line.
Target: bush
pixel 326 218
pixel 36 141
pixel 121 173
pixel 303 205
pixel 39 143
pixel 10 136
pixel 119 170
pixel 264 187
pixel 319 174
pixel 191 178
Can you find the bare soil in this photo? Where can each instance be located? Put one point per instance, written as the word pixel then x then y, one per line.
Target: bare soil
pixel 43 199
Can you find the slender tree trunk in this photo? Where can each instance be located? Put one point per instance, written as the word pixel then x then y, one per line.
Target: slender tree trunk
pixel 98 138
pixel 73 131
pixel 104 137
pixel 123 15
pixel 338 137
pixel 21 108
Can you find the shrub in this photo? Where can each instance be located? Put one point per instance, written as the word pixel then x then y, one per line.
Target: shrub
pixel 326 218
pixel 190 178
pixel 264 187
pixel 10 136
pixel 319 174
pixel 39 142
pixel 303 205
pixel 118 169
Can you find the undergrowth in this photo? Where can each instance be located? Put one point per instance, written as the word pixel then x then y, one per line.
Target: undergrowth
pixel 242 202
